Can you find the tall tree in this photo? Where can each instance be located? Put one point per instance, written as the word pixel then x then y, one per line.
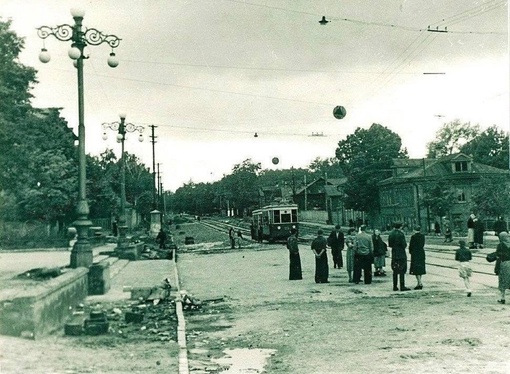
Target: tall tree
pixel 439 198
pixel 365 158
pixel 491 196
pixel 489 147
pixel 16 80
pixel 450 138
pixel 242 186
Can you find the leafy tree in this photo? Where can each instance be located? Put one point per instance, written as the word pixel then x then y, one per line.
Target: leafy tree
pixel 491 196
pixel 38 161
pixel 365 158
pixel 439 198
pixel 241 186
pixel 16 80
pixel 322 167
pixel 450 138
pixel 489 147
pixel 102 174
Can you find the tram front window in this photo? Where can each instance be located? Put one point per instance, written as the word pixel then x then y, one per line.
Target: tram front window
pixel 285 218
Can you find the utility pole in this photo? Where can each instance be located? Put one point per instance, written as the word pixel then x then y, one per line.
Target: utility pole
pixel 154 186
pixel 158 188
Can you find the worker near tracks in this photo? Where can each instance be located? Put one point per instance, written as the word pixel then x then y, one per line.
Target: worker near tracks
pixel 161 238
pixel 232 237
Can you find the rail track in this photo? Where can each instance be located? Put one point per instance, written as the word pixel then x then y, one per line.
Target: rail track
pixel 437 255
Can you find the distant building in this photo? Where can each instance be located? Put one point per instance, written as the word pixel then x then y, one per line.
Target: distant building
pixel 322 201
pixel 400 196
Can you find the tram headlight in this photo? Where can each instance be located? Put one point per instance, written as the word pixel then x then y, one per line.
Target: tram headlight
pixel 278 227
pixel 293 226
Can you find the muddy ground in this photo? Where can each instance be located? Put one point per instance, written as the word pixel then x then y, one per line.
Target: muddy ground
pixel 339 327
pixel 248 303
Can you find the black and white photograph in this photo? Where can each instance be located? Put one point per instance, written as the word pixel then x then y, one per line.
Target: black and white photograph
pixel 254 186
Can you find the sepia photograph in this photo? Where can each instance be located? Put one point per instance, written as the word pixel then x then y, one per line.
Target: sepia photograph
pixel 254 186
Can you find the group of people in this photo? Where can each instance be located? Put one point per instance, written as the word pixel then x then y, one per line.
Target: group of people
pixel 363 251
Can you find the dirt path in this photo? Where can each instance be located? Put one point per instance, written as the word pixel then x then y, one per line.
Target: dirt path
pixel 339 327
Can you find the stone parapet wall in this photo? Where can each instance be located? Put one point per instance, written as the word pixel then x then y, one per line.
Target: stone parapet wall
pixel 42 308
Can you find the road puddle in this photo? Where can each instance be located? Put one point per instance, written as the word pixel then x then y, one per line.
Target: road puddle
pixel 245 360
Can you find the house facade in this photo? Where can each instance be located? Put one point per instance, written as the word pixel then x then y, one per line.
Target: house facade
pixel 322 201
pixel 401 195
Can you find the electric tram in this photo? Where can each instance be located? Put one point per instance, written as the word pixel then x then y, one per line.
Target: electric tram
pixel 274 222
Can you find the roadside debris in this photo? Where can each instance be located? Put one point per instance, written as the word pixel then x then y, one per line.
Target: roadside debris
pixel 41 273
pixel 152 253
pixel 150 312
pixel 189 302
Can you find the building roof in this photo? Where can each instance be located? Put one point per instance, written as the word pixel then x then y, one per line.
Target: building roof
pixel 331 182
pixel 440 168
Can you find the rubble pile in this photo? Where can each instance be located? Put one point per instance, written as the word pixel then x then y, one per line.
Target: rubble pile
pixel 152 253
pixel 148 316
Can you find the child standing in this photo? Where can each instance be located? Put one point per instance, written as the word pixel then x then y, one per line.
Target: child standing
pixel 463 255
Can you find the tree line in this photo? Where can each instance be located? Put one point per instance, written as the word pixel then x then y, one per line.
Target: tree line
pixel 38 163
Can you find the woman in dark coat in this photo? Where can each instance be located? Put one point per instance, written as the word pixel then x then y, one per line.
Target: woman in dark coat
pixel 319 245
pixel 295 272
pixel 479 229
pixel 417 252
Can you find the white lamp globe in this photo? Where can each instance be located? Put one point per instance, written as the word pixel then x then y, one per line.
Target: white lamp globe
pixel 140 138
pixel 119 138
pixel 122 115
pixel 113 61
pixel 44 56
pixel 77 12
pixel 105 136
pixel 74 53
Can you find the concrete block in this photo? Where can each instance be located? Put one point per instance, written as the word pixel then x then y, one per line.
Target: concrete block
pixel 99 278
pixel 43 308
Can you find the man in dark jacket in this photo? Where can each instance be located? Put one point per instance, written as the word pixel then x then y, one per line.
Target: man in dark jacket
pixel 336 241
pixel 398 244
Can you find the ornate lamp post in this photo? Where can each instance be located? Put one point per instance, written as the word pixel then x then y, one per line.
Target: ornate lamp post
pixel 122 128
pixel 80 37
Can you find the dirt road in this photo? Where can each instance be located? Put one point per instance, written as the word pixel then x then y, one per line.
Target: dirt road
pixel 340 327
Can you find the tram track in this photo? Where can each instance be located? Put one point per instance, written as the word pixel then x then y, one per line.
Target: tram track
pixel 435 257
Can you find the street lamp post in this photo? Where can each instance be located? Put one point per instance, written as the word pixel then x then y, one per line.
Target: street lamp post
pixel 122 128
pixel 81 37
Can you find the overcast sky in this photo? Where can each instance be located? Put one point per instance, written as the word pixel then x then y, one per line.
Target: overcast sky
pixel 209 74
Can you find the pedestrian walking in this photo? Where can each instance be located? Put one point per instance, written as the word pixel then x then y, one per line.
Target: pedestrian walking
pixel 363 256
pixel 478 233
pixel 380 250
pixel 398 244
pixel 232 237
pixel 295 272
pixel 238 238
pixel 471 231
pixel 319 245
pixel 463 256
pixel 447 233
pixel 336 241
pixel 437 228
pixel 417 252
pixel 349 255
pixel 503 253
pixel 500 226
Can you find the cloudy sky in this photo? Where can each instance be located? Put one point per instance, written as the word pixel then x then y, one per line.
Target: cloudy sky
pixel 212 73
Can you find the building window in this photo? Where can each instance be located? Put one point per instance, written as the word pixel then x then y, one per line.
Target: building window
pixel 461 196
pixel 461 166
